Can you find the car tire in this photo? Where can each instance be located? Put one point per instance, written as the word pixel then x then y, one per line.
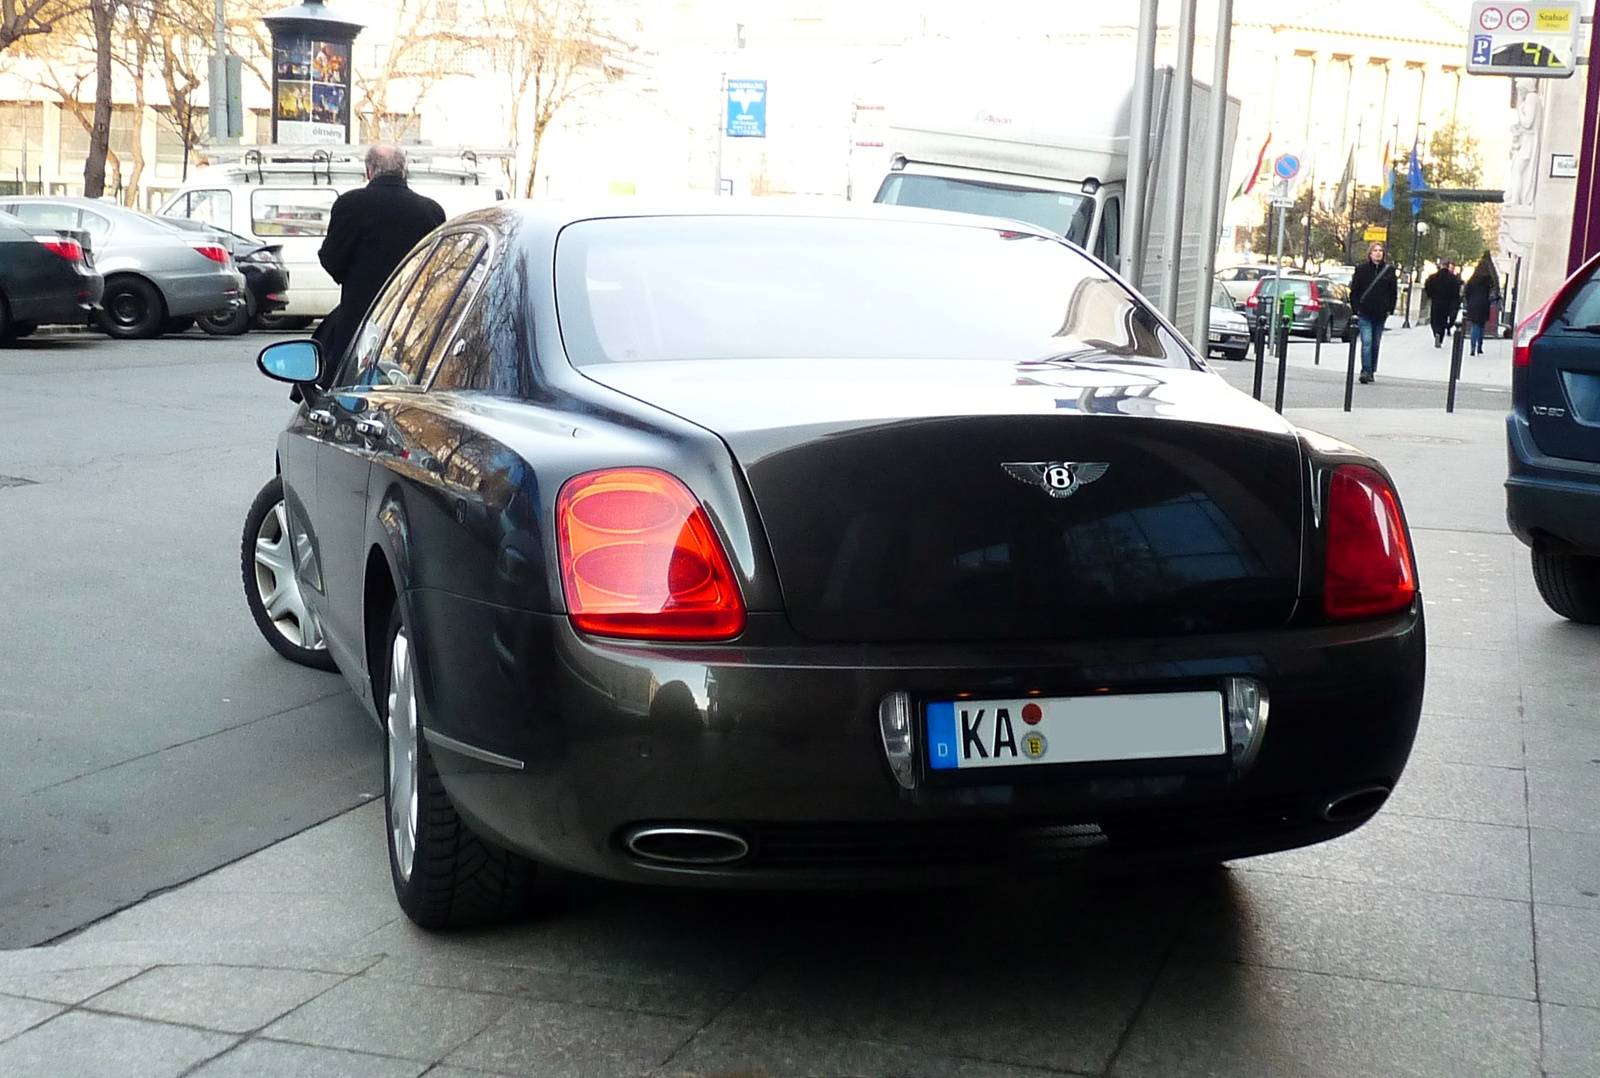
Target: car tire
pixel 283 323
pixel 131 309
pixel 23 329
pixel 1236 356
pixel 266 556
pixel 8 328
pixel 445 875
pixel 231 322
pixel 1569 584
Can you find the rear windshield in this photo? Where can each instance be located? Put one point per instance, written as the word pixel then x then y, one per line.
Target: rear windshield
pixel 1584 307
pixel 694 288
pixel 1061 212
pixel 1295 287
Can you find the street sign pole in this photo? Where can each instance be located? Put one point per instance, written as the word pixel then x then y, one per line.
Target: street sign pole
pixel 722 128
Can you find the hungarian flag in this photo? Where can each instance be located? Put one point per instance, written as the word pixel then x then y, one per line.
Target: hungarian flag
pixel 1248 184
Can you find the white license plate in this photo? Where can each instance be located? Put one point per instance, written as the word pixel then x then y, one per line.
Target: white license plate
pixel 1074 729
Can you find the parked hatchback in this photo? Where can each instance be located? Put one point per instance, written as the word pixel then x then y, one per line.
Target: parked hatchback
pixel 156 278
pixel 45 277
pixel 1321 308
pixel 1553 431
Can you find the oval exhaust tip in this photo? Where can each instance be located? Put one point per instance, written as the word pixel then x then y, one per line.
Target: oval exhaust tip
pixel 1356 804
pixel 686 845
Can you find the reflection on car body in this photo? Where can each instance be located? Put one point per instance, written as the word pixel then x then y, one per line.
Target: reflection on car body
pixel 662 587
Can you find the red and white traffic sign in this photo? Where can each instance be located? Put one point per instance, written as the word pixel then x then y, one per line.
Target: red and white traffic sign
pixel 1490 18
pixel 1518 18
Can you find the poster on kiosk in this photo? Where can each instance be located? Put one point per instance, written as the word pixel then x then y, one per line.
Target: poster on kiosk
pixel 311 90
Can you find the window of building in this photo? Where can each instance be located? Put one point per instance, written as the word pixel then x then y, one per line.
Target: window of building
pixel 75 139
pixel 21 146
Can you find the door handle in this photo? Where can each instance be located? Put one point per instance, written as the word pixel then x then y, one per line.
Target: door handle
pixel 370 428
pixel 321 417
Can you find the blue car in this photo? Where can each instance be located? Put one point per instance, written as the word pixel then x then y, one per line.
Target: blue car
pixel 1553 490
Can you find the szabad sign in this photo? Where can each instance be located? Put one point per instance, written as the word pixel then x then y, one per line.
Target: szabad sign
pixel 1528 40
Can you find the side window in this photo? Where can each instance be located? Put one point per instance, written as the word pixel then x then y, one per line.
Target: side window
pixel 47 215
pixel 408 352
pixel 467 359
pixel 361 358
pixel 95 224
pixel 1111 233
pixel 212 207
pixel 291 211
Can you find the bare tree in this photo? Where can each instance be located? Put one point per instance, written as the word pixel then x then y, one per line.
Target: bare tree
pixel 424 48
pixel 103 16
pixel 26 18
pixel 552 52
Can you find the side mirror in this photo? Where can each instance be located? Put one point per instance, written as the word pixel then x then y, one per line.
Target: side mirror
pixel 299 362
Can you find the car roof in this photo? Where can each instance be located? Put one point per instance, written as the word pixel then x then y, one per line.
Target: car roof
pixel 561 213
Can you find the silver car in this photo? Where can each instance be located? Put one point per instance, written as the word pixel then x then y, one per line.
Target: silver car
pixel 158 279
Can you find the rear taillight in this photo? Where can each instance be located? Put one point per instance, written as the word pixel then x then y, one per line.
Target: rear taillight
pixel 1369 569
pixel 639 559
pixel 1527 333
pixel 213 251
pixel 69 249
pixel 1251 301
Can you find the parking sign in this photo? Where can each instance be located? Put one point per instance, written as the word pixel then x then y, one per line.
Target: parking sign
pixel 1528 38
pixel 747 108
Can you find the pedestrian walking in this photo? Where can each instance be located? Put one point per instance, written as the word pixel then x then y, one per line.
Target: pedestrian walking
pixel 1443 290
pixel 1482 293
pixel 1376 291
pixel 370 230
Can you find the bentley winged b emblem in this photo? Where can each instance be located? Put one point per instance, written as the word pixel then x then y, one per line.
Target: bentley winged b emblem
pixel 1057 478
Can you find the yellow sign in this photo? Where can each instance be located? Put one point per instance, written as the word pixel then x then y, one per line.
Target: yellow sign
pixel 1375 234
pixel 1552 20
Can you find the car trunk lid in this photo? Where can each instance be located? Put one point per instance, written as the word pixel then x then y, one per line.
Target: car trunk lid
pixel 909 501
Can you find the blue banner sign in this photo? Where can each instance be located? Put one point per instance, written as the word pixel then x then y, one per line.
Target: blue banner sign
pixel 747 108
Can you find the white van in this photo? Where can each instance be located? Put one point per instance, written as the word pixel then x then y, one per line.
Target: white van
pixel 283 194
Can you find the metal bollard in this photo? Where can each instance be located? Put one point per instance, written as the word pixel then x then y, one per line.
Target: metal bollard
pixel 1283 365
pixel 1350 370
pixel 1456 343
pixel 1258 331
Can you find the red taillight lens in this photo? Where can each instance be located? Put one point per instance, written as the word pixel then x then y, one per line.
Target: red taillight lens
pixel 213 252
pixel 639 559
pixel 1527 333
pixel 1369 569
pixel 68 249
pixel 1251 301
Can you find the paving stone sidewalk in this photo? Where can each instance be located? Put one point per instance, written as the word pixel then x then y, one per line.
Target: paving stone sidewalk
pixel 1458 934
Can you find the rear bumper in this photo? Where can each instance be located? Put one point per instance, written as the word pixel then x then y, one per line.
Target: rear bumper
pixel 780 745
pixel 1551 501
pixel 200 293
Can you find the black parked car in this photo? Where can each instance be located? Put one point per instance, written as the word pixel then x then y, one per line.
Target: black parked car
pixel 47 276
pixel 1553 433
pixel 834 545
pixel 265 274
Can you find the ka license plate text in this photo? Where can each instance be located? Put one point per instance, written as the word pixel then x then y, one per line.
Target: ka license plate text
pixel 1074 729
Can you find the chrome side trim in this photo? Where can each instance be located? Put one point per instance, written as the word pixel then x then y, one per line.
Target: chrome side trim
pixel 463 749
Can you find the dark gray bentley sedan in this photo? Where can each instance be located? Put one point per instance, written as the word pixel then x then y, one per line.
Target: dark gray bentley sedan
pixel 801 546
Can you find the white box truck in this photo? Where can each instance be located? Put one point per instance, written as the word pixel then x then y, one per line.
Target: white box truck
pixel 1039 136
pixel 282 195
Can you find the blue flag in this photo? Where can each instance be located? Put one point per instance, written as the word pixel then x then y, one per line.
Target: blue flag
pixel 1415 179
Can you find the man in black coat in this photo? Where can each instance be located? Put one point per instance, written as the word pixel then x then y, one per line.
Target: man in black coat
pixel 370 230
pixel 1443 290
pixel 1374 291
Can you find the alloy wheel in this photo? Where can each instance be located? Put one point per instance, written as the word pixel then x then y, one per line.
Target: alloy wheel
pixel 402 728
pixel 279 588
